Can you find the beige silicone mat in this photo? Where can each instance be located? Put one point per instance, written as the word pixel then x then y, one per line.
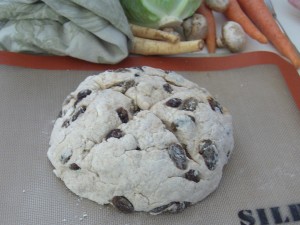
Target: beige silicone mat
pixel 261 183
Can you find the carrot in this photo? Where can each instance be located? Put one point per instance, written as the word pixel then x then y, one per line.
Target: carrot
pixel 152 47
pixel 149 33
pixel 235 13
pixel 211 33
pixel 258 12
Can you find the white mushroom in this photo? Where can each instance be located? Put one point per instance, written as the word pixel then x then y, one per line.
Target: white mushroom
pixel 195 27
pixel 233 37
pixel 217 5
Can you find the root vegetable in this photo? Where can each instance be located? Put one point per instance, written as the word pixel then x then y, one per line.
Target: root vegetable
pixel 258 12
pixel 217 5
pixel 151 47
pixel 211 30
pixel 178 31
pixel 233 37
pixel 195 27
pixel 235 13
pixel 149 33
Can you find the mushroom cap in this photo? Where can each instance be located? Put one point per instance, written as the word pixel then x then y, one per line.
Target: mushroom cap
pixel 195 27
pixel 217 5
pixel 233 36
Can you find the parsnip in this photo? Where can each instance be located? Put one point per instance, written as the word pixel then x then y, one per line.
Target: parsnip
pixel 152 47
pixel 150 33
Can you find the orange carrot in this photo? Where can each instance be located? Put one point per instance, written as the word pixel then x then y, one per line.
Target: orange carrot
pixel 258 12
pixel 235 13
pixel 211 33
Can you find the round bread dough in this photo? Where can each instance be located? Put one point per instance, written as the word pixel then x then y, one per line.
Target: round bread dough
pixel 141 139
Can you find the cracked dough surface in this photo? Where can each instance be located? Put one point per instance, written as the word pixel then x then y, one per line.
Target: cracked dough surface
pixel 141 139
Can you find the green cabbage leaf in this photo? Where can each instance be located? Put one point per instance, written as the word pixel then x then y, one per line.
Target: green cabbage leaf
pixel 159 13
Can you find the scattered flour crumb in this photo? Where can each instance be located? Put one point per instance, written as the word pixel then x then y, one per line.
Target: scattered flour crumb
pixel 84 216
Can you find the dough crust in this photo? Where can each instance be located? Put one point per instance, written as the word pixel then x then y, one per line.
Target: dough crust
pixel 141 139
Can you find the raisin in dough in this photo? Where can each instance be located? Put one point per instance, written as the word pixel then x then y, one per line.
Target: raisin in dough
pixel 141 139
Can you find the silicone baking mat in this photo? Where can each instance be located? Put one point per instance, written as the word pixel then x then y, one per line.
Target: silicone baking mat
pixel 260 184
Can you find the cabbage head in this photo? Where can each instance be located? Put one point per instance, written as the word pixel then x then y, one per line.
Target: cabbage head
pixel 159 13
